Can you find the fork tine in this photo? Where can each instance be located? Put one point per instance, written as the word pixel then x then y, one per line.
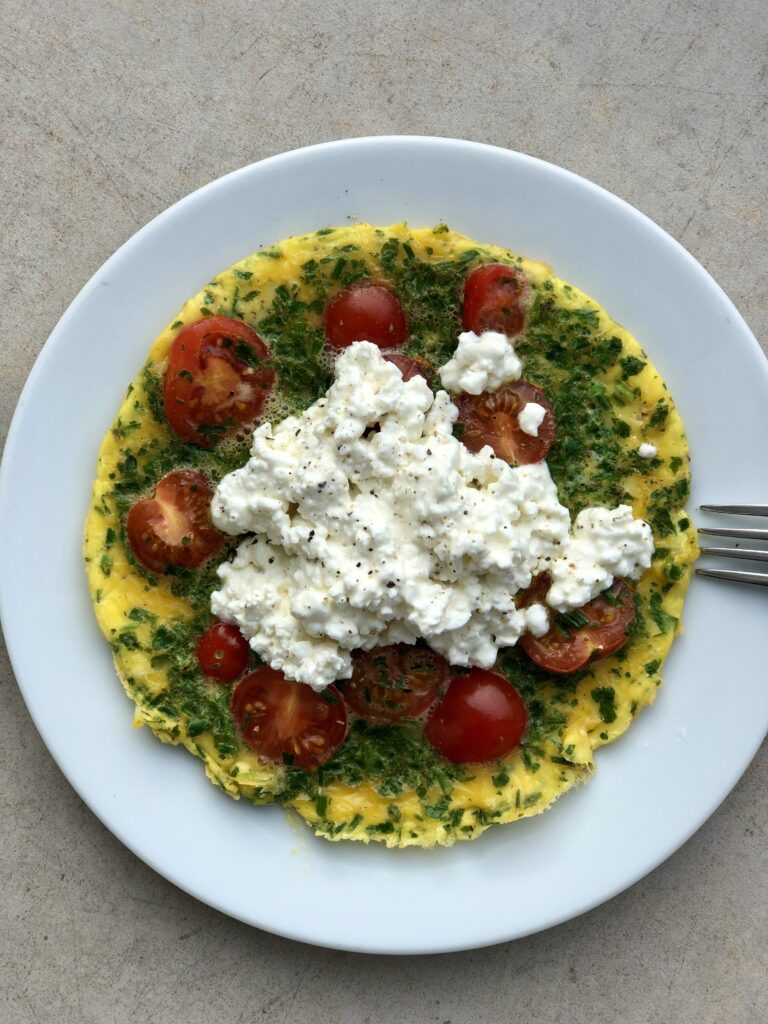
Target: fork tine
pixel 740 510
pixel 741 534
pixel 758 578
pixel 756 556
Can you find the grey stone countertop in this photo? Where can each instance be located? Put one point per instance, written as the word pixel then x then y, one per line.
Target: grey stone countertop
pixel 110 112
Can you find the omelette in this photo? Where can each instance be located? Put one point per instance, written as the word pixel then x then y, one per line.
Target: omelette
pixel 386 782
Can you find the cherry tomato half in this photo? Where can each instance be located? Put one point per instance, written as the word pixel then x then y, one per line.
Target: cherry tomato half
pixel 277 717
pixel 173 527
pixel 492 418
pixel 566 648
pixel 365 311
pixel 217 379
pixel 480 718
pixel 390 683
pixel 412 366
pixel 222 652
pixel 493 300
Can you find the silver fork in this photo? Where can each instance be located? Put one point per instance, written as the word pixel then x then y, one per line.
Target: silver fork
pixel 754 554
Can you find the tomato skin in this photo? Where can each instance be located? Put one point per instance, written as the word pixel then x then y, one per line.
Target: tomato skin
pixel 222 652
pixel 493 300
pixel 366 311
pixel 277 717
pixel 395 682
pixel 209 381
pixel 481 718
pixel 412 366
pixel 608 630
pixel 173 527
pixel 492 418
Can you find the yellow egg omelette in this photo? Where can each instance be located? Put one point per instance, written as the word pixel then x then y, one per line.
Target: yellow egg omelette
pixel 386 782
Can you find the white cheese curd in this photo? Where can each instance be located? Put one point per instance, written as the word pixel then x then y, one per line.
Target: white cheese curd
pixel 372 524
pixel 483 362
pixel 531 417
pixel 604 544
pixel 647 451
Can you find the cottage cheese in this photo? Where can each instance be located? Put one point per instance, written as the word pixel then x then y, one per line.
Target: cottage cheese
pixel 647 451
pixel 480 363
pixel 531 417
pixel 605 543
pixel 372 524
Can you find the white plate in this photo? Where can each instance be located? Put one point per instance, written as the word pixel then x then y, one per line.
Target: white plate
pixel 653 788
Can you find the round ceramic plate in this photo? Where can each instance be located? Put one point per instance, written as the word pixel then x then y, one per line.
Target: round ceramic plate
pixel 653 788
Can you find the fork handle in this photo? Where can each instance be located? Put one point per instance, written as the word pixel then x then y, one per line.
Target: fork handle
pixel 738 510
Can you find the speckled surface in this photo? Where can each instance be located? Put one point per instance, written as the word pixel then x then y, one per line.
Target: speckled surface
pixel 112 111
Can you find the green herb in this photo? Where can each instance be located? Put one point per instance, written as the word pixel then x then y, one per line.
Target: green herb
pixel 631 366
pixel 663 619
pixel 140 615
pixel 623 393
pixel 127 638
pixel 661 505
pixel 122 430
pixel 500 780
pixel 245 353
pixel 384 828
pixel 660 413
pixel 388 254
pixel 611 597
pixel 652 667
pixel 605 698
pixel 153 388
pixel 243 275
pixel 576 619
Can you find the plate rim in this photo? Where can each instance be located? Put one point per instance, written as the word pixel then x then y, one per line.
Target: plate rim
pixel 38 370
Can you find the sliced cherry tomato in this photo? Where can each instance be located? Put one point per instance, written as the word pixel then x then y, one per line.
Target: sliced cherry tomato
pixel 412 366
pixel 390 683
pixel 493 300
pixel 492 418
pixel 173 527
pixel 217 379
pixel 592 632
pixel 481 717
pixel 283 720
pixel 223 652
pixel 365 311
